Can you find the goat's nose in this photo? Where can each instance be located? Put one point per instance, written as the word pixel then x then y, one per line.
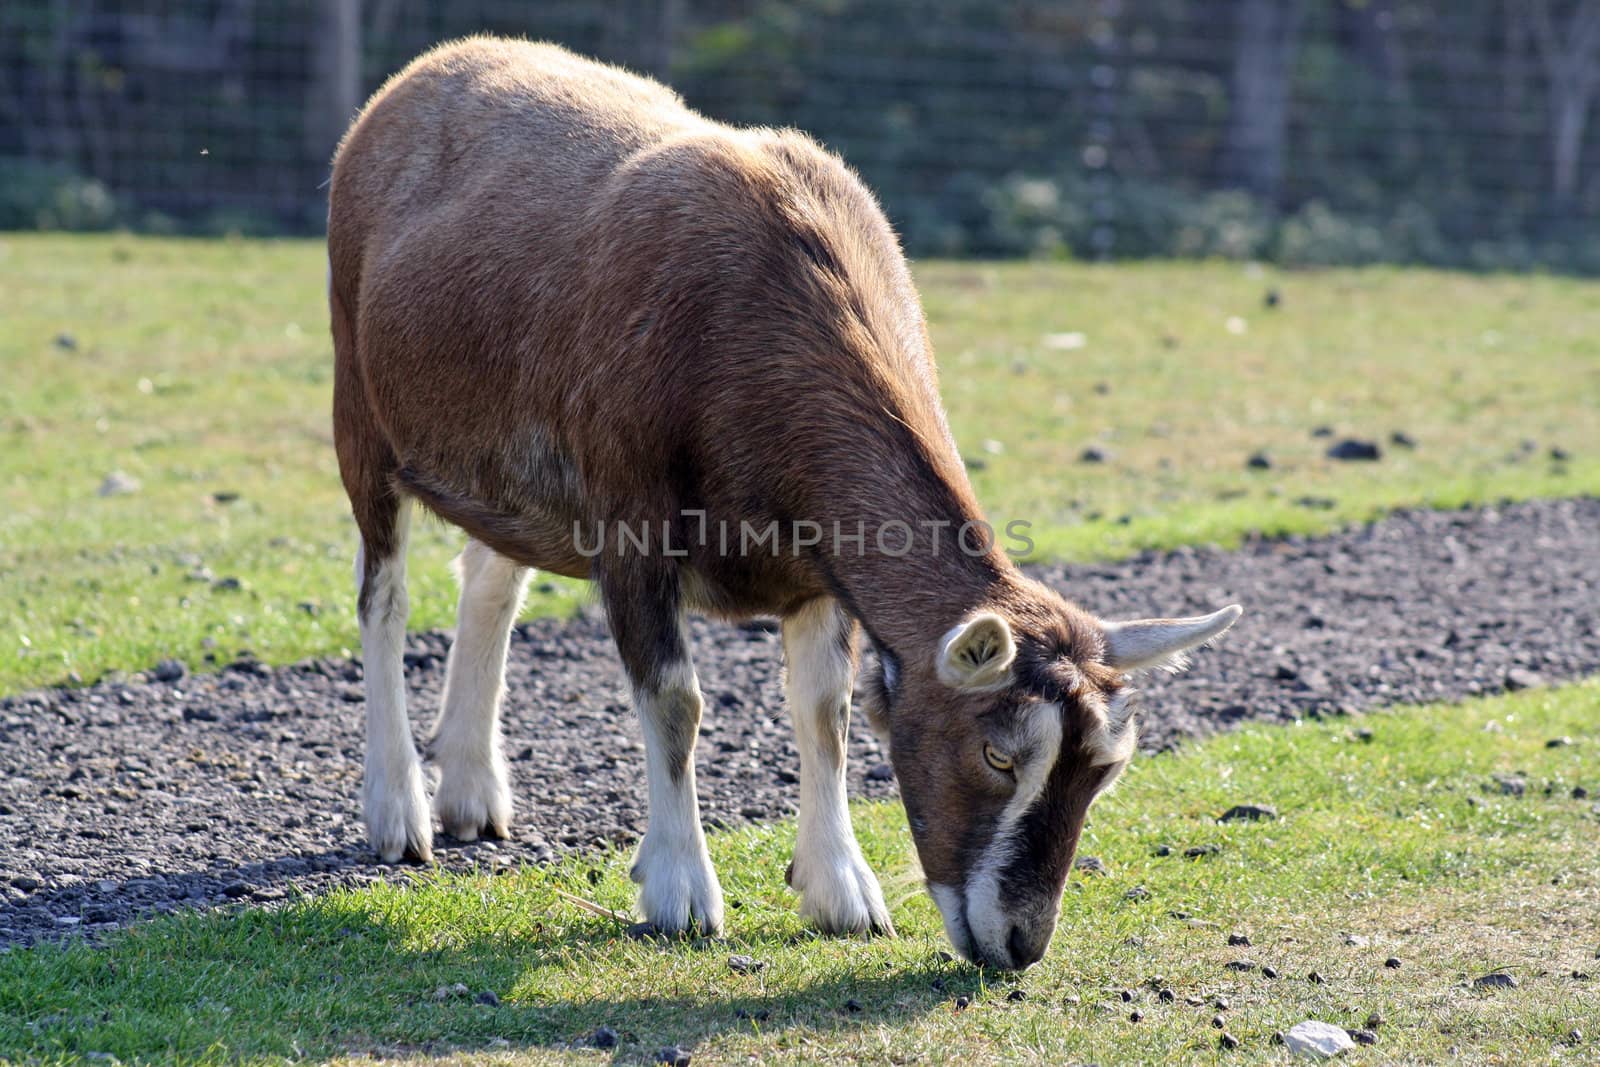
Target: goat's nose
pixel 1025 950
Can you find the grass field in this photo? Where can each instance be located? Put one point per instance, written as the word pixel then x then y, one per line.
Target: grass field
pixel 1396 842
pixel 201 369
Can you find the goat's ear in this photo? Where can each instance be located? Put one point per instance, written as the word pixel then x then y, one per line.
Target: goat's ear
pixel 1132 646
pixel 977 653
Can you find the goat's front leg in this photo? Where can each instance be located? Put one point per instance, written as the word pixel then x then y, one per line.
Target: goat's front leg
pixel 678 889
pixel 838 891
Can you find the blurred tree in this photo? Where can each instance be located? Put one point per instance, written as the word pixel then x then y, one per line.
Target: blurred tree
pixel 1569 56
pixel 333 89
pixel 1266 35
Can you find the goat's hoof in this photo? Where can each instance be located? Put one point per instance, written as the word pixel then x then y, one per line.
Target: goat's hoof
pixel 843 899
pixel 399 825
pixel 473 801
pixel 678 893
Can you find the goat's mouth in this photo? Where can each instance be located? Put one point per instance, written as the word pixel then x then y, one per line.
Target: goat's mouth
pixel 952 904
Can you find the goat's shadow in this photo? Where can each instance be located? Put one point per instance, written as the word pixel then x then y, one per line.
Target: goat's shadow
pixel 345 955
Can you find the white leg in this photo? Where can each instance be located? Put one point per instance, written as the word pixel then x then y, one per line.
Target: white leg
pixel 838 891
pixel 678 888
pixel 393 797
pixel 474 793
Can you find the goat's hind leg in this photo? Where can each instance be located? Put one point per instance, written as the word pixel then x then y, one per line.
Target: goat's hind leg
pixel 394 799
pixel 474 795
pixel 678 889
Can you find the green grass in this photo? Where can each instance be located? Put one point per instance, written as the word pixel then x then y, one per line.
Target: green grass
pixel 1400 839
pixel 202 368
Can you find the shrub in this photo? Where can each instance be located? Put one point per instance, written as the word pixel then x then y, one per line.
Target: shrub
pixel 44 196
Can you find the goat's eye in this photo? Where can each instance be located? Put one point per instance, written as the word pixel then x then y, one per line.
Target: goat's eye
pixel 998 760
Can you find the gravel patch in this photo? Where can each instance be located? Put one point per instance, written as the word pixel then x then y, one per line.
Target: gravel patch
pixel 176 790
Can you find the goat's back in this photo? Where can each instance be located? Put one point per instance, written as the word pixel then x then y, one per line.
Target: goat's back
pixel 567 293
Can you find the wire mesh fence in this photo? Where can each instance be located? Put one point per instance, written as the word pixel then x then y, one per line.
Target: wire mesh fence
pixel 1309 131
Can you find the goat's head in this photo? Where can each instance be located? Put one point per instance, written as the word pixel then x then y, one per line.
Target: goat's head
pixel 1000 741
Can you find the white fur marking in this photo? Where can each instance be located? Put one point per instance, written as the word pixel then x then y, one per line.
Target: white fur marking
pixel 474 791
pixel 677 885
pixel 838 891
pixel 1115 737
pixel 393 797
pixel 989 923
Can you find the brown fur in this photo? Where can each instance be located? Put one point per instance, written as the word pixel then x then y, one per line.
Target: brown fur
pixel 561 297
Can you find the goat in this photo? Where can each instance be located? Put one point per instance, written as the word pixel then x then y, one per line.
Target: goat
pixel 563 302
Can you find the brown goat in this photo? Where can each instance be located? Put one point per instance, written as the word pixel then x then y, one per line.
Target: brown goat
pixel 612 339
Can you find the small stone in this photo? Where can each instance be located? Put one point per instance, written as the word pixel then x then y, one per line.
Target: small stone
pixel 1579 793
pixel 1393 963
pixel 1365 735
pixel 852 1005
pixel 604 1037
pixel 1164 850
pixel 66 342
pixel 881 772
pixel 1219 1022
pixel 1196 851
pixel 643 931
pixel 1559 454
pixel 1135 1015
pixel 760 1015
pixel 673 1056
pixel 1126 995
pixel 1401 439
pixel 1272 298
pixel 1522 678
pixel 1138 892
pixel 1375 1020
pixel 742 964
pixel 1091 865
pixel 1322 431
pixel 1228 1041
pixel 446 992
pixel 1317 1039
pixel 1241 965
pixel 1259 461
pixel 1167 996
pixel 1511 784
pixel 1223 1003
pixel 169 670
pixel 1268 972
pixel 236 889
pixel 1355 941
pixel 1558 742
pixel 1238 939
pixel 488 998
pixel 1252 812
pixel 945 957
pixel 1363 1037
pixel 1017 995
pixel 1093 454
pixel 119 483
pixel 1352 449
pixel 1574 1036
pixel 1495 980
pixel 962 1002
pixel 1315 978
